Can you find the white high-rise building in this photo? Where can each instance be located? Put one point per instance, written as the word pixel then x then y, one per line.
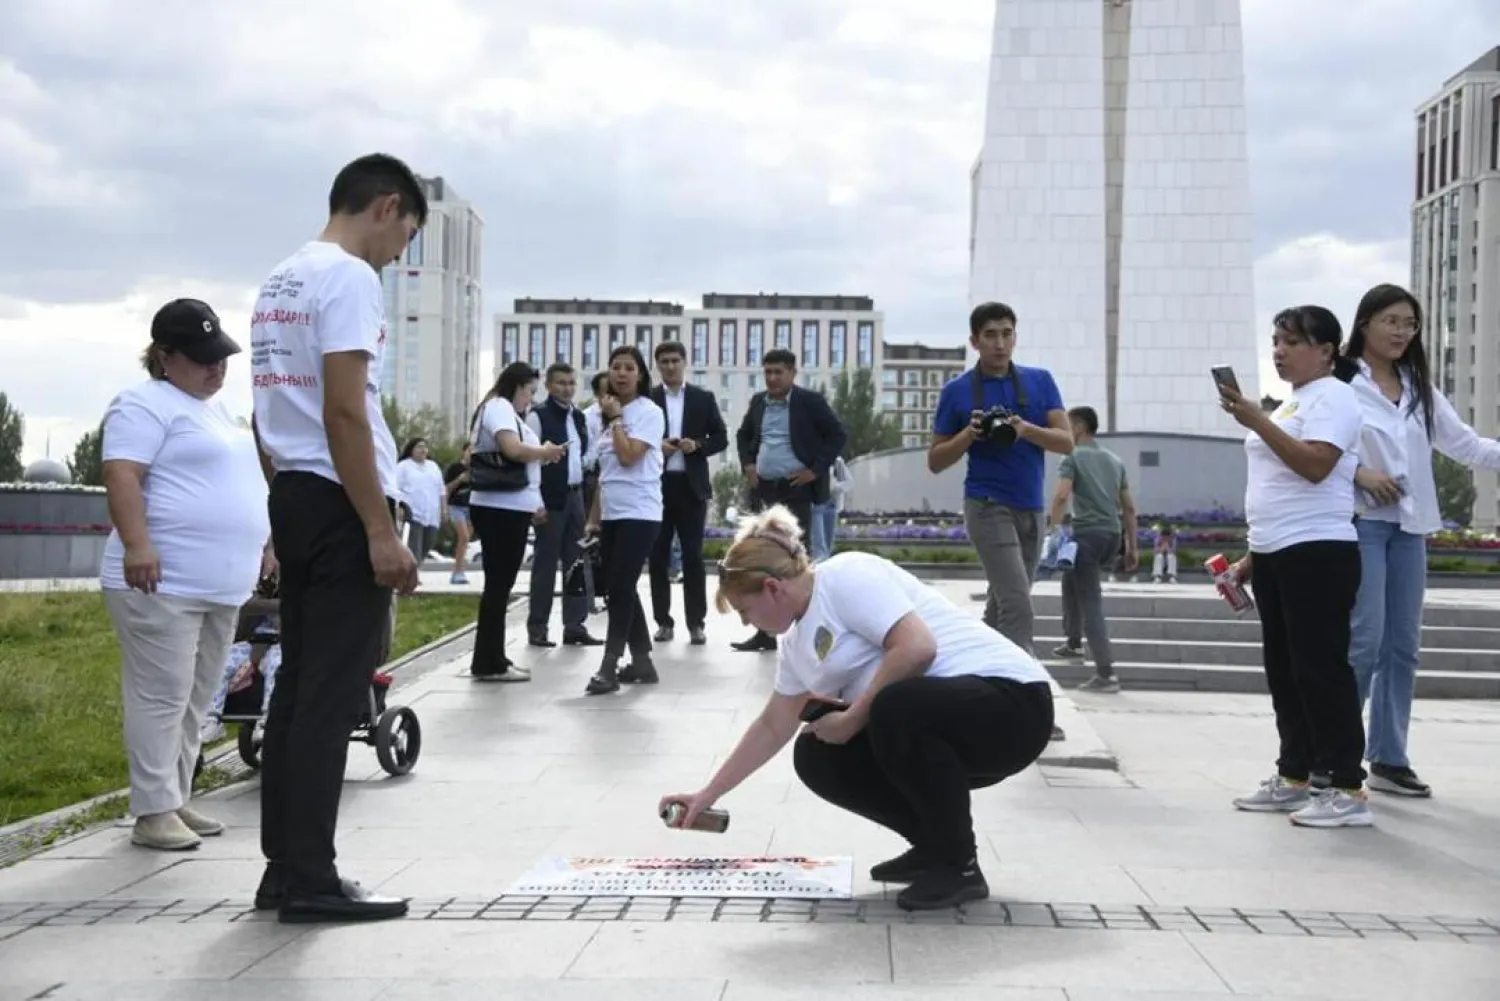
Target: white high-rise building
pixel 726 339
pixel 1455 254
pixel 1111 204
pixel 433 311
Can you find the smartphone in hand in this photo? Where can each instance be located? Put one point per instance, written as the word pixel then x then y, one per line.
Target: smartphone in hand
pixel 816 708
pixel 1224 376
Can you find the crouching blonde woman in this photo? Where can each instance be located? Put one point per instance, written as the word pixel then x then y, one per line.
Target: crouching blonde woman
pixel 930 703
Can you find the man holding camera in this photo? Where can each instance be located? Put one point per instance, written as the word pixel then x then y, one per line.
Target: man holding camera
pixel 1004 418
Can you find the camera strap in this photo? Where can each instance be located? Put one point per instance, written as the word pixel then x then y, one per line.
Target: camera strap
pixel 1015 374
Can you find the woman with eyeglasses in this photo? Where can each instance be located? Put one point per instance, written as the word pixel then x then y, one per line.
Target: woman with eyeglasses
pixel 1405 420
pixel 926 703
pixel 1303 565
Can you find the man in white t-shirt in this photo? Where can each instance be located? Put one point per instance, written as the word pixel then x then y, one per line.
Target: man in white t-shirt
pixel 318 337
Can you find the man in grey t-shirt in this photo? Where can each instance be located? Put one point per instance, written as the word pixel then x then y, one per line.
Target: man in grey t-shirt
pixel 1093 478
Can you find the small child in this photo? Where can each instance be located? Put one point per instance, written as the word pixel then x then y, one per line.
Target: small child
pixel 249 656
pixel 1164 562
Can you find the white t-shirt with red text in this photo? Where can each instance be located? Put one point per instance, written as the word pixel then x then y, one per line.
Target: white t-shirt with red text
pixel 322 300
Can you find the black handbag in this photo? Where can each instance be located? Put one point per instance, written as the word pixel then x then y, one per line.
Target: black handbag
pixel 492 471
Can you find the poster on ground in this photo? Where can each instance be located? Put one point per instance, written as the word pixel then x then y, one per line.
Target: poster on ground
pixel 747 877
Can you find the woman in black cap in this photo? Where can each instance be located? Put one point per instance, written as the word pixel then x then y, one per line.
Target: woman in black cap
pixel 188 500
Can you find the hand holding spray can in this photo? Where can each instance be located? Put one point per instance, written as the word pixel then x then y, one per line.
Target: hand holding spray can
pixel 1228 583
pixel 712 820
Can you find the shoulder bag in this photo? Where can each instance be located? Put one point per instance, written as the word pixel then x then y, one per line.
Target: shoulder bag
pixel 490 470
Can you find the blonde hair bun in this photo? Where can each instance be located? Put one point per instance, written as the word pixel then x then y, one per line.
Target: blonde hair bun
pixel 776 524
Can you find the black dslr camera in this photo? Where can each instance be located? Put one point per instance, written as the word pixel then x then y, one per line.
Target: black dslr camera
pixel 995 426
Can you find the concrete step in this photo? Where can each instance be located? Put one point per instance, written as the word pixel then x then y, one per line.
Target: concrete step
pixel 1243 678
pixel 1248 654
pixel 1204 603
pixel 1247 630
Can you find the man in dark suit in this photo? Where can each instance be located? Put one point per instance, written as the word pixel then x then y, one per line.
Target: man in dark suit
pixel 695 432
pixel 787 443
pixel 560 528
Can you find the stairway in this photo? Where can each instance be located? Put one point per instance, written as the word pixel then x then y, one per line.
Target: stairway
pixel 1184 638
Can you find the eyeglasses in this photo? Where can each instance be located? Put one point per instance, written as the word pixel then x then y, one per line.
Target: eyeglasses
pixel 1401 324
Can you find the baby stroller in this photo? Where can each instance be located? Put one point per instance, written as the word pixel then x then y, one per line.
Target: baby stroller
pixel 394 731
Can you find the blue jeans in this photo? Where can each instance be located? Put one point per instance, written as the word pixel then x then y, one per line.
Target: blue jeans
pixel 825 523
pixel 1386 634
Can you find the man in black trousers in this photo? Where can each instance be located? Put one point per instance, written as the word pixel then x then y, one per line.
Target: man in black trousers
pixel 556 420
pixel 695 432
pixel 787 443
pixel 318 338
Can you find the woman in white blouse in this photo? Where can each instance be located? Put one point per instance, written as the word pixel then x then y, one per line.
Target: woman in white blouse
pixel 192 535
pixel 1405 419
pixel 503 516
pixel 626 514
pixel 425 495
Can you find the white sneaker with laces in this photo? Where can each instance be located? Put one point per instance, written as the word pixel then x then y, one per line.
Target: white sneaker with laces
pixel 1335 808
pixel 1275 795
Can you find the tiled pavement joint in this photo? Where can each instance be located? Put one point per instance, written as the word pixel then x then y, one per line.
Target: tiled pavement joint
pixel 719 910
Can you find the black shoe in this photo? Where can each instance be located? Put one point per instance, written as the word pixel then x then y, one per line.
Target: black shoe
pixel 664 634
pixel 696 636
pixel 1057 733
pixel 943 886
pixel 351 902
pixel 581 639
pixel 759 643
pixel 1398 781
pixel 640 672
pixel 904 868
pixel 271 891
pixel 541 640
pixel 606 681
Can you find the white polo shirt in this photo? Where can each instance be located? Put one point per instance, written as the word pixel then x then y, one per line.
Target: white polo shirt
pixel 835 649
pixel 322 300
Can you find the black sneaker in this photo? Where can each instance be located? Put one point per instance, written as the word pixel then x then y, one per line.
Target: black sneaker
pixel 641 671
pixel 904 868
pixel 1397 781
pixel 943 886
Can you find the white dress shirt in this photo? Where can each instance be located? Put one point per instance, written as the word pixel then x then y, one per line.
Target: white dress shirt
pixel 674 400
pixel 593 423
pixel 1395 442
pixel 576 458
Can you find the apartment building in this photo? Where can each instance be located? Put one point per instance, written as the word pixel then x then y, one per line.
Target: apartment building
pixel 910 379
pixel 433 306
pixel 1455 257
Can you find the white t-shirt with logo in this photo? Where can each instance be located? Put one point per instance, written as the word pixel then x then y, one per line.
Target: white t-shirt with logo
pixel 500 415
pixel 1281 508
pixel 322 300
pixel 633 492
pixel 835 649
pixel 205 494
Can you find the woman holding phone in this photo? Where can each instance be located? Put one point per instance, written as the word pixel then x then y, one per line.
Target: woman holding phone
pixel 929 703
pixel 1406 419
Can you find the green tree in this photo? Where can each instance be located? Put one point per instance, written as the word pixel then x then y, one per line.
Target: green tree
pixel 1455 489
pixel 857 403
pixel 730 487
pixel 12 437
pixel 87 461
pixel 424 422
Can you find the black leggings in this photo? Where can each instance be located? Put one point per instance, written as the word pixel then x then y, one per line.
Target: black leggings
pixel 502 546
pixel 624 546
pixel 1306 596
pixel 929 742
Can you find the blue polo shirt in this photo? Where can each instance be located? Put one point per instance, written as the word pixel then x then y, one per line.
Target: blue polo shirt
pixel 1006 475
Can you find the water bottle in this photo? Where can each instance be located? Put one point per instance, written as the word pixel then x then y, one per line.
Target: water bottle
pixel 712 820
pixel 1229 586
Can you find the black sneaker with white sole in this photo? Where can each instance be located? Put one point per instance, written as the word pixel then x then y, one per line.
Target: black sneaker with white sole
pixel 1397 781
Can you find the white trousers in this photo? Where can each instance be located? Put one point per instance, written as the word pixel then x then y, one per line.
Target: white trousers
pixel 173 652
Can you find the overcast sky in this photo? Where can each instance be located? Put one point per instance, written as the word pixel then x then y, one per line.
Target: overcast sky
pixel 616 148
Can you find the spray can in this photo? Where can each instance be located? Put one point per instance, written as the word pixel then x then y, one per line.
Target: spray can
pixel 1230 589
pixel 712 820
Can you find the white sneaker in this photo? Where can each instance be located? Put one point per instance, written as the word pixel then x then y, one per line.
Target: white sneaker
pixel 1275 795
pixel 206 827
pixel 1335 808
pixel 164 832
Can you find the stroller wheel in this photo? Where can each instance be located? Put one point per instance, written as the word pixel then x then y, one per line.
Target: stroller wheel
pixel 398 740
pixel 249 743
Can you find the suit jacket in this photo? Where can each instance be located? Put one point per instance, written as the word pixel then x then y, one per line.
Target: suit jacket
pixel 818 436
pixel 702 422
pixel 552 418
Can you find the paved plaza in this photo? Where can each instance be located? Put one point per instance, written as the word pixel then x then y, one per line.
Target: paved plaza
pixel 1140 883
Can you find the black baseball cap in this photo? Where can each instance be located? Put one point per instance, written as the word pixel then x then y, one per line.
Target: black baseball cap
pixel 191 327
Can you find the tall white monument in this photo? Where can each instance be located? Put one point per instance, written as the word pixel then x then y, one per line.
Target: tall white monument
pixel 1111 204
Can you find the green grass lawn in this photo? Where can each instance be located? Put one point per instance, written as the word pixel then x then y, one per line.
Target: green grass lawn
pixel 61 739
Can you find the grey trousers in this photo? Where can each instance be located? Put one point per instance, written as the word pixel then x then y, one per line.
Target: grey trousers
pixel 1083 598
pixel 557 547
pixel 1009 544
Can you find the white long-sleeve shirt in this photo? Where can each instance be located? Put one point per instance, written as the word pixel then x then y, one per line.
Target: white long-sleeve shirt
pixel 1395 442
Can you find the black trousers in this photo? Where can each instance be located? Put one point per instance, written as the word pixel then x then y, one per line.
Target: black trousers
pixel 624 546
pixel 1306 596
pixel 684 514
pixel 333 620
pixel 798 500
pixel 928 744
pixel 557 546
pixel 502 546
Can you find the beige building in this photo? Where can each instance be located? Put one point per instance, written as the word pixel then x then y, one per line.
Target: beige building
pixel 909 382
pixel 1455 259
pixel 726 337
